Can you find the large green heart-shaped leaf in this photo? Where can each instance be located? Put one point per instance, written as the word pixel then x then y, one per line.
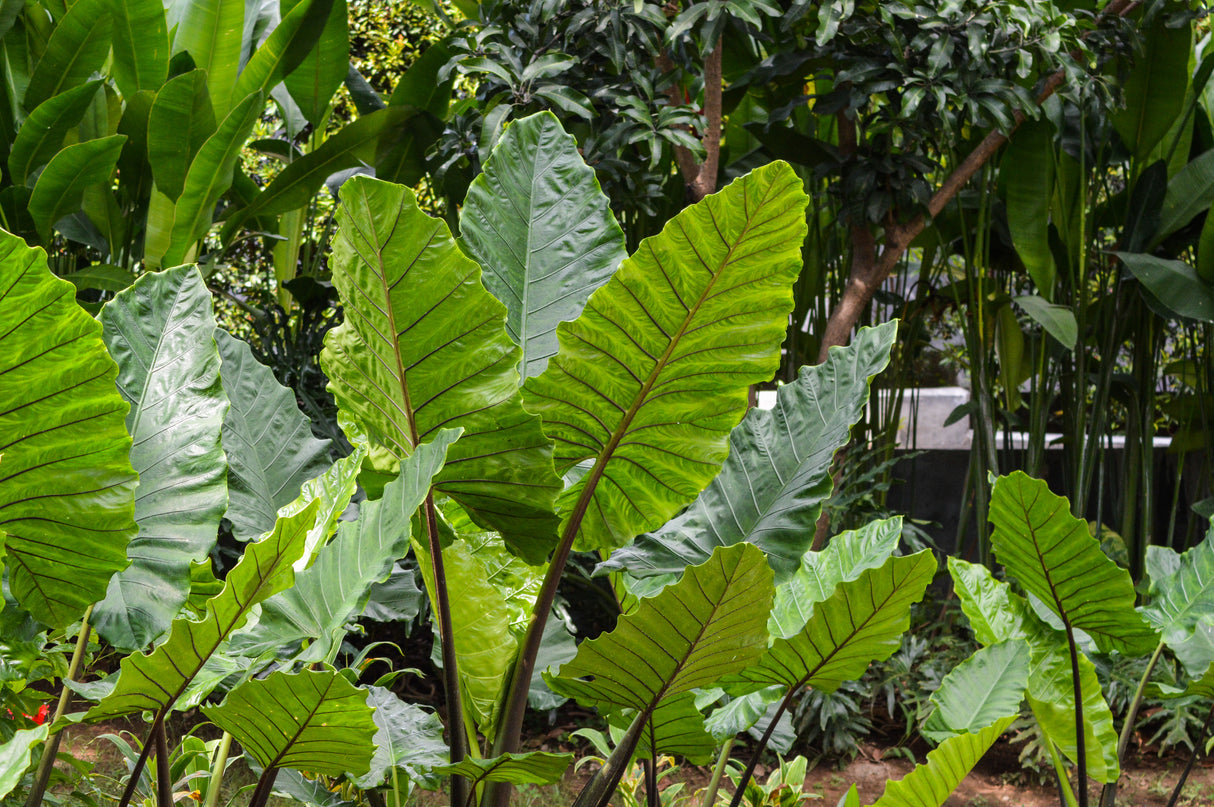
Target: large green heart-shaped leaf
pixel 154 681
pixel 771 488
pixel 708 624
pixel 1181 594
pixel 270 447
pixel 333 590
pixel 930 784
pixel 654 374
pixel 160 333
pixel 846 556
pixel 676 727
pixel 407 737
pixel 861 622
pixel 42 134
pixel 314 720
pixel 67 496
pixel 541 227
pixel 986 687
pixel 998 614
pixel 1055 558
pixel 77 48
pixel 424 347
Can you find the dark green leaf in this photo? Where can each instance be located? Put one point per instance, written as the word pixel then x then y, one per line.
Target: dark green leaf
pixel 1174 284
pixel 41 136
pixel 313 83
pixel 179 123
pixel 141 45
pixel 61 185
pixel 537 767
pixel 77 49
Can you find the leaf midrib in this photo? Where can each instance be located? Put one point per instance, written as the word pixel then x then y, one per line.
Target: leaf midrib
pixel 600 465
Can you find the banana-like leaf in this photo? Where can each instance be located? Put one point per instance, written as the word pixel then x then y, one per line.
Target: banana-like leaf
pixel 407 737
pixel 710 623
pixel 210 175
pixel 180 121
pixel 847 555
pixel 15 755
pixel 654 374
pixel 154 681
pixel 541 227
pixel 1028 166
pixel 485 646
pixel 1181 594
pixel 986 687
pixel 1155 89
pixel 211 31
pixel 1055 558
pixel 424 347
pixel 353 146
pixel 771 488
pixel 536 767
pixel 160 333
pixel 930 784
pixel 1173 284
pixel 41 136
pixel 141 45
pixel 271 450
pixel 861 622
pixel 313 83
pixel 314 720
pixel 77 49
pixel 61 185
pixel 284 48
pixel 1189 193
pixel 333 590
pixel 67 489
pixel 998 614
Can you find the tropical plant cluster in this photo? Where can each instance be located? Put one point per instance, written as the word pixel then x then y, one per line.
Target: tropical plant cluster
pixel 298 341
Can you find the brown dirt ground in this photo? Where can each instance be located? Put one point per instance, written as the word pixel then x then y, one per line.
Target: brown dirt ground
pixel 997 780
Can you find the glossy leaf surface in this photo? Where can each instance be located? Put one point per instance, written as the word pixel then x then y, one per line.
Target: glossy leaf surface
pixel 541 227
pixel 160 333
pixel 180 121
pixel 270 448
pixel 654 374
pixel 985 688
pixel 930 784
pixel 141 45
pixel 42 134
pixel 211 31
pixel 76 49
pixel 407 737
pixel 61 185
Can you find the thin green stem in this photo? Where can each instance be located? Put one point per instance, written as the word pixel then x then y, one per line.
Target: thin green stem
pixel 51 750
pixel 1188 768
pixel 1108 796
pixel 761 747
pixel 1065 792
pixel 714 784
pixel 217 770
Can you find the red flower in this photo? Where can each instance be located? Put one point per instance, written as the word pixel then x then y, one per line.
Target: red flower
pixel 40 716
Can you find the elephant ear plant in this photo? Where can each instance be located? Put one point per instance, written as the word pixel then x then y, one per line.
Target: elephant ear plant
pixel 599 405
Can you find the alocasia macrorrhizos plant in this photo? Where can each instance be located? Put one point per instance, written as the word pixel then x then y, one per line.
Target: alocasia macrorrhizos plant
pixel 493 451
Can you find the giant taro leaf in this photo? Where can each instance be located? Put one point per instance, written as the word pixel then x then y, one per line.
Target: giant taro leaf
pixel 424 347
pixel 66 483
pixel 930 784
pixel 334 588
pixel 654 374
pixel 861 622
pixel 536 767
pixel 772 486
pixel 998 614
pixel 314 720
pixel 407 737
pixel 1055 558
pixel 847 555
pixel 986 687
pixel 539 224
pixel 270 447
pixel 160 333
pixel 1181 595
pixel 154 681
pixel 676 727
pixel 708 624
